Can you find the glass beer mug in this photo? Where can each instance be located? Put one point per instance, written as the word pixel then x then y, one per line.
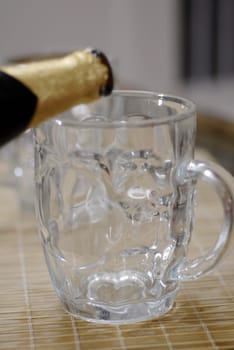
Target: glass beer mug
pixel 115 184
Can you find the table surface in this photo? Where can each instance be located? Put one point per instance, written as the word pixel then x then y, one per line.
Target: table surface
pixel 31 316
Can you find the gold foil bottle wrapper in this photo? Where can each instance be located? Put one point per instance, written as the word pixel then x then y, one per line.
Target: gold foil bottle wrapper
pixel 60 83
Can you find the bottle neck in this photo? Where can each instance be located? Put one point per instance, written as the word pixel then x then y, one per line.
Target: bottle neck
pixel 36 91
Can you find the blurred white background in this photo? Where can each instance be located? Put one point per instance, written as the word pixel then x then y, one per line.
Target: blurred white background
pixel 141 37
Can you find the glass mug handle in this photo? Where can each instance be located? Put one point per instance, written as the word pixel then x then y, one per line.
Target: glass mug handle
pixel 219 179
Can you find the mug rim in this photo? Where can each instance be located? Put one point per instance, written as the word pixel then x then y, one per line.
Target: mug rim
pixel 188 109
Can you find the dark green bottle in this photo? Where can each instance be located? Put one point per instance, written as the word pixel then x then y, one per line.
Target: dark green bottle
pixel 33 92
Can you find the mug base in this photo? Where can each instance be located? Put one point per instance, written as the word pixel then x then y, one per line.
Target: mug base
pixel 124 314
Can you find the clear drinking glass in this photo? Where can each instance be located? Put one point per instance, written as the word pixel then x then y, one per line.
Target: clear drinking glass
pixel 115 183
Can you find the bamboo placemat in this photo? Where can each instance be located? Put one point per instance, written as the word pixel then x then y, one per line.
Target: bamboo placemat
pixel 31 316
